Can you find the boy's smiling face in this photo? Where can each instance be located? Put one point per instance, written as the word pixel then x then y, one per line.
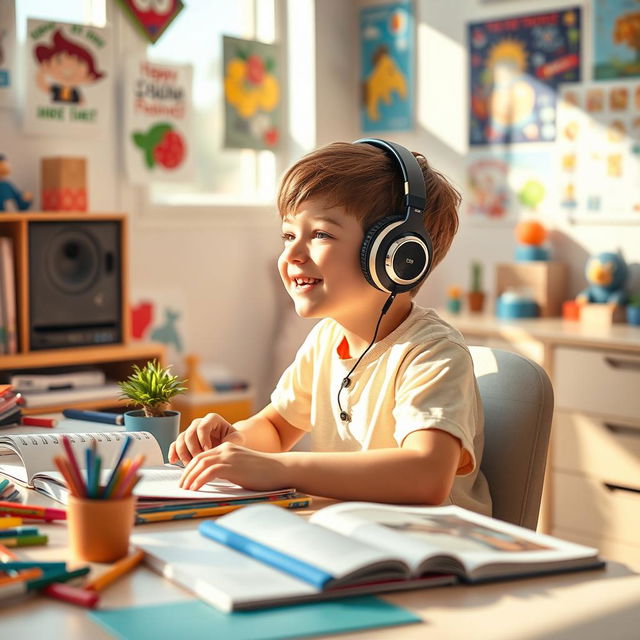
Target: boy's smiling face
pixel 320 263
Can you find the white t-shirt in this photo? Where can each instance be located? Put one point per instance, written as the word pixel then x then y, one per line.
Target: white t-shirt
pixel 419 377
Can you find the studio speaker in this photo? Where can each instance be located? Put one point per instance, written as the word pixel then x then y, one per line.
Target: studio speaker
pixel 75 283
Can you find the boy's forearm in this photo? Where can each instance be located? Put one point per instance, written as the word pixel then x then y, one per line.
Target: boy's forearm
pixel 259 434
pixel 383 475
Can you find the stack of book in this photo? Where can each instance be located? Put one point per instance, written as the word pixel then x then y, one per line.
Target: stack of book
pixel 39 390
pixel 9 406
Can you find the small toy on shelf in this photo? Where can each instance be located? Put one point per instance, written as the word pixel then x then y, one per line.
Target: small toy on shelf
pixel 515 303
pixel 633 309
pixel 530 235
pixel 64 184
pixel 8 193
pixel 454 299
pixel 475 296
pixel 607 274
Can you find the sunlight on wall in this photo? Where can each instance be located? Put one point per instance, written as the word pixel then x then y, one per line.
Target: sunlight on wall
pixel 441 87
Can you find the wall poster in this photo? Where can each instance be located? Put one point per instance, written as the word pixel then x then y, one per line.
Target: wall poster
pixel 616 39
pixel 69 78
pixel 387 53
pixel 516 66
pixel 7 53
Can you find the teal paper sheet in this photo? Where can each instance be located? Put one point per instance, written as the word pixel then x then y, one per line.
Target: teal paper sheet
pixel 196 620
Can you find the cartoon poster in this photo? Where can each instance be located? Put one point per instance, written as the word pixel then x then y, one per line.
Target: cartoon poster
pixel 69 78
pixel 505 183
pixel 387 67
pixel 516 65
pixel 616 39
pixel 7 53
pixel 598 151
pixel 157 128
pixel 252 94
pixel 152 18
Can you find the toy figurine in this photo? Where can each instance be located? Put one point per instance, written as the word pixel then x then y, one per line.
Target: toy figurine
pixel 530 235
pixel 454 302
pixel 607 274
pixel 21 199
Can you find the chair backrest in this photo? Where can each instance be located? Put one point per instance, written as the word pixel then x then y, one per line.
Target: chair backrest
pixel 518 407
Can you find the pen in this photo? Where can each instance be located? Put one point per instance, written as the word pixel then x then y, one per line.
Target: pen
pixel 30 421
pixel 94 416
pixel 115 571
pixel 31 512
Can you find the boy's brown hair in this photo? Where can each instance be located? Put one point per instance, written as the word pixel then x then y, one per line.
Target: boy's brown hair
pixel 367 183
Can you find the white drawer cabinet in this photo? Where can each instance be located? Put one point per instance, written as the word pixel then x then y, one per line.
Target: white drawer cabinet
pixel 601 382
pixel 595 493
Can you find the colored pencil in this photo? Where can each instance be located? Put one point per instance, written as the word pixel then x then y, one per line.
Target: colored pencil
pixel 7 554
pixel 116 571
pixel 90 459
pixel 121 473
pixel 74 595
pixel 75 469
pixel 20 588
pixel 123 450
pixel 32 512
pixel 25 541
pixel 21 576
pixel 3 484
pixel 129 478
pixel 18 531
pixel 16 565
pixel 30 421
pixel 8 522
pixel 65 469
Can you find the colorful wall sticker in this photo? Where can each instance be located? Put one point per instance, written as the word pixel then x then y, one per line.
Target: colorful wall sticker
pixel 252 94
pixel 387 69
pixel 616 39
pixel 516 65
pixel 158 119
pixel 69 78
pixel 152 17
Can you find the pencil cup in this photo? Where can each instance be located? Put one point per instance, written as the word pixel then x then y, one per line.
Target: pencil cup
pixel 99 530
pixel 164 428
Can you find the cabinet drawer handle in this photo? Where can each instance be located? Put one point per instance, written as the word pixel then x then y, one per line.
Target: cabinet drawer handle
pixel 617 363
pixel 622 429
pixel 619 487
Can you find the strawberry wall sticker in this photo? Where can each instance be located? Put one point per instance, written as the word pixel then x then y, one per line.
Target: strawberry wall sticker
pixel 152 18
pixel 158 115
pixel 253 109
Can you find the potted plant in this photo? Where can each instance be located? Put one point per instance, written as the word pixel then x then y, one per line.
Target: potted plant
pixel 475 296
pixel 633 309
pixel 151 388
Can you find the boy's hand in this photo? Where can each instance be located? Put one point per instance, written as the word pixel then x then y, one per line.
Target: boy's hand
pixel 203 434
pixel 248 468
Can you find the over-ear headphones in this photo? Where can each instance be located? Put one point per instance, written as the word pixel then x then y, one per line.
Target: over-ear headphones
pixel 396 251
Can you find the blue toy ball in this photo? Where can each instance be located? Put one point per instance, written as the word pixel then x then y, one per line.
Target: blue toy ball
pixel 607 275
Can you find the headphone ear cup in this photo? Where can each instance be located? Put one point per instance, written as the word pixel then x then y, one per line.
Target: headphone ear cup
pixel 365 252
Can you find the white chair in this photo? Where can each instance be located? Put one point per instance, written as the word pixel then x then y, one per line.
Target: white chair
pixel 518 407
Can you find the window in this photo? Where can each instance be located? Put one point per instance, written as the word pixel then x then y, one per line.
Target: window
pixel 195 37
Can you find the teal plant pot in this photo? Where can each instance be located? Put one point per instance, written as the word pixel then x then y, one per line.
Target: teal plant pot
pixel 633 315
pixel 165 428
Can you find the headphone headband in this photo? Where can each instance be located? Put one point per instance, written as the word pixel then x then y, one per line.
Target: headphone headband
pixel 414 187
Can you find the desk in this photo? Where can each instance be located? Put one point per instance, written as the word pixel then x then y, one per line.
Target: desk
pixel 585 605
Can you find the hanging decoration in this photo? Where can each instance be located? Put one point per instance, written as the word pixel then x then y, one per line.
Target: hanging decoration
pixel 69 78
pixel 152 17
pixel 252 94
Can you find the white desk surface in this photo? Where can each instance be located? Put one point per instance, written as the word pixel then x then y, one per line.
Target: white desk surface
pixel 587 605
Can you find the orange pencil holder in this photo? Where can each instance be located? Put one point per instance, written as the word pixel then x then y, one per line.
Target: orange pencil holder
pixel 99 530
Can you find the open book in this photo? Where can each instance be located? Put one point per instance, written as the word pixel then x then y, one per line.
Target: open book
pixel 29 460
pixel 262 556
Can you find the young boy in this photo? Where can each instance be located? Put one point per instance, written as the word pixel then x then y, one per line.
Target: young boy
pixel 385 387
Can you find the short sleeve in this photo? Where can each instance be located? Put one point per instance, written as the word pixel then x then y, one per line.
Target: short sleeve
pixel 436 389
pixel 292 396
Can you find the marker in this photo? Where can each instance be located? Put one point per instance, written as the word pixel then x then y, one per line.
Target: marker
pixel 18 531
pixel 94 416
pixel 74 595
pixel 117 570
pixel 9 523
pixel 25 541
pixel 30 421
pixel 31 512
